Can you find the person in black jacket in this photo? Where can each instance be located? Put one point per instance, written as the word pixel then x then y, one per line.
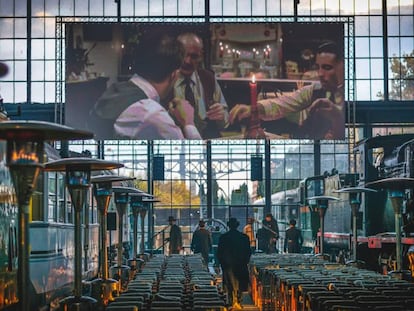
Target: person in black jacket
pixel 201 241
pixel 293 238
pixel 271 232
pixel 175 239
pixel 233 254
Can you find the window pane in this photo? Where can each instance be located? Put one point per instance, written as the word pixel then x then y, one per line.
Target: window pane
pixel 375 6
pixel 20 70
pixel 393 25
pixel 38 70
pixel 375 26
pixel 6 7
pixel 20 92
pixel 362 68
pixel 407 25
pixel 407 45
pixel 361 47
pixel 392 6
pixel 81 8
pixel 38 50
pixel 6 27
pixel 363 90
pixel 361 26
pixel 327 162
pixel 394 46
pixel 376 68
pixel 376 47
pixel 361 7
pixel 6 49
pixel 377 88
pixel 38 94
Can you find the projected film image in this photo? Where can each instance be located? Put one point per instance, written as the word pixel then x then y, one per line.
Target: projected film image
pixel 199 81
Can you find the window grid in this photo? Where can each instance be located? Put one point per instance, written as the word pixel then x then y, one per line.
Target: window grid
pixel 49 16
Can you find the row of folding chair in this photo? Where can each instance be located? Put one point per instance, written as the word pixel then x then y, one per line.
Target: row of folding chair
pixel 304 283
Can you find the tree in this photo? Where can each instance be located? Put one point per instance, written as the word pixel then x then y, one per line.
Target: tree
pixel 402 84
pixel 176 194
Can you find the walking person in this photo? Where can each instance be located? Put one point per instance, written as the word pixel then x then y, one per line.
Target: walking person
pixel 201 242
pixel 293 238
pixel 271 233
pixel 262 240
pixel 234 254
pixel 176 238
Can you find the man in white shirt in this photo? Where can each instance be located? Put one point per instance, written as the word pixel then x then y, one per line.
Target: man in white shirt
pixel 133 109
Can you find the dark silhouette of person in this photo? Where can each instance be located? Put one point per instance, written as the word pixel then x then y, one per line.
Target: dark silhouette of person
pixel 233 254
pixel 293 238
pixel 262 240
pixel 271 233
pixel 201 242
pixel 175 239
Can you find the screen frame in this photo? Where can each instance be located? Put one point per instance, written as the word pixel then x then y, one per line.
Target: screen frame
pixel 204 27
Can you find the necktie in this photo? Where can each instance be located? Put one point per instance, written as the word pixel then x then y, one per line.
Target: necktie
pixel 189 96
pixel 188 92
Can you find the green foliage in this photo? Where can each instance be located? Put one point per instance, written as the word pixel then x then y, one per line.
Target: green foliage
pixel 175 193
pixel 402 84
pixel 171 193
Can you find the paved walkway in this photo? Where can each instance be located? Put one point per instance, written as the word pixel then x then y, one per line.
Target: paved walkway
pixel 247 302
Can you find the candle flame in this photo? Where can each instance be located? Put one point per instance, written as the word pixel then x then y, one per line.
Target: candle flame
pixel 253 78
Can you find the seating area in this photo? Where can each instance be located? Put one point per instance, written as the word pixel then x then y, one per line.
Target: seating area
pixel 279 282
pixel 172 283
pixel 307 283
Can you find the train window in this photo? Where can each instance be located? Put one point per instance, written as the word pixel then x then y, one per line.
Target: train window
pixel 61 211
pixel 57 195
pixel 52 208
pixel 37 210
pixel 37 206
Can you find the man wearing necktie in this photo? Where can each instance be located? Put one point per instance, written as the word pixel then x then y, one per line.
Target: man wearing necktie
pixel 314 111
pixel 200 88
pixel 135 109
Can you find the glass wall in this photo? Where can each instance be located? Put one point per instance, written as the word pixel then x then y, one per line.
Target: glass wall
pixel 380 70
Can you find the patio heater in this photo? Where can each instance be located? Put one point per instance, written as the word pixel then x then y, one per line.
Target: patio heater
pixel 104 288
pixel 396 192
pixel 139 205
pixel 355 203
pixel 25 155
pixel 321 206
pixel 78 181
pixel 122 197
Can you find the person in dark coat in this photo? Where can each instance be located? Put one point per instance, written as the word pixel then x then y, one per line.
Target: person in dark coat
pixel 201 241
pixel 175 239
pixel 293 238
pixel 262 240
pixel 233 254
pixel 271 233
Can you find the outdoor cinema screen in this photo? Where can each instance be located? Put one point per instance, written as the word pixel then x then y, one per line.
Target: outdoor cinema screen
pixel 248 80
